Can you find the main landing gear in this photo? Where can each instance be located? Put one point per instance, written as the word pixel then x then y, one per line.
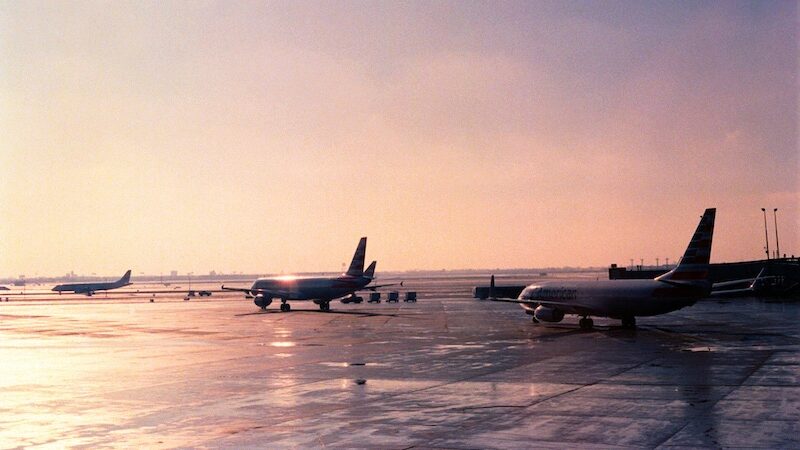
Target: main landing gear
pixel 285 307
pixel 586 323
pixel 325 306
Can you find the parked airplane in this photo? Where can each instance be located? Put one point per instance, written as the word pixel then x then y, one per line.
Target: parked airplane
pixel 91 288
pixel 627 299
pixel 320 290
pixel 762 284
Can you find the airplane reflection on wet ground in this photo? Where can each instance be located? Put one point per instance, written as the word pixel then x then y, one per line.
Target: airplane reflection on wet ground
pixel 448 371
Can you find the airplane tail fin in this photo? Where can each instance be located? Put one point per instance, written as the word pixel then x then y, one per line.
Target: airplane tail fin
pixel 693 267
pixel 357 264
pixel 370 272
pixel 126 279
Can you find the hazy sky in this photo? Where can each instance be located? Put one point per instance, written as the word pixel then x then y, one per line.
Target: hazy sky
pixel 269 136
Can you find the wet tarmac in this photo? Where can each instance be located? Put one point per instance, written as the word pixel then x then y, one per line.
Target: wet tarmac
pixel 445 372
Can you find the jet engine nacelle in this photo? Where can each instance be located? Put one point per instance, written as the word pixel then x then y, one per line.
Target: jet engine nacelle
pixel 261 301
pixel 545 314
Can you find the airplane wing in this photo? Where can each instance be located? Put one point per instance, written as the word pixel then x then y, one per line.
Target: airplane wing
pixel 251 291
pixel 373 288
pixel 742 287
pixel 570 308
pixel 744 282
pixel 530 302
pixel 245 290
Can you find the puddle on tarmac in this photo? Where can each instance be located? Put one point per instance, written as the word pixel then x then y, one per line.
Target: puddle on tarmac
pixel 352 364
pixel 699 349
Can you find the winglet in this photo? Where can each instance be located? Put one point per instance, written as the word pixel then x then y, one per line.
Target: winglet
pixel 693 267
pixel 757 281
pixel 370 272
pixel 357 264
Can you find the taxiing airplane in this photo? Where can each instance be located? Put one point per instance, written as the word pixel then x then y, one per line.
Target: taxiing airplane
pixel 91 288
pixel 320 290
pixel 627 299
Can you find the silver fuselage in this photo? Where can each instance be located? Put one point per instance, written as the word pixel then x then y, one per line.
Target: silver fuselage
pixel 84 288
pixel 308 288
pixel 613 298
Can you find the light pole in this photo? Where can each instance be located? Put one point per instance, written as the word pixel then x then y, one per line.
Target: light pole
pixel 777 245
pixel 766 236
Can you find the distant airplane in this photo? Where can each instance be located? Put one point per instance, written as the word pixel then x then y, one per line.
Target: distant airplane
pixel 745 287
pixel 320 290
pixel 627 299
pixel 91 288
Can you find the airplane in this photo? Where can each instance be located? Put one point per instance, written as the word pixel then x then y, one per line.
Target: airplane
pixel 627 299
pixel 320 290
pixel 762 284
pixel 91 288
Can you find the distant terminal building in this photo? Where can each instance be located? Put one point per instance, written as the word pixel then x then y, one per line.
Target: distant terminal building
pixel 622 273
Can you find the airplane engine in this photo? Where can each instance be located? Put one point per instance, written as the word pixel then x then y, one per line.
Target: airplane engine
pixel 545 314
pixel 261 301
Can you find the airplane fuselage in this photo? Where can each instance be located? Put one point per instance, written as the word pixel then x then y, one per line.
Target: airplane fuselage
pixel 88 288
pixel 309 288
pixel 320 290
pixel 613 298
pixel 627 299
